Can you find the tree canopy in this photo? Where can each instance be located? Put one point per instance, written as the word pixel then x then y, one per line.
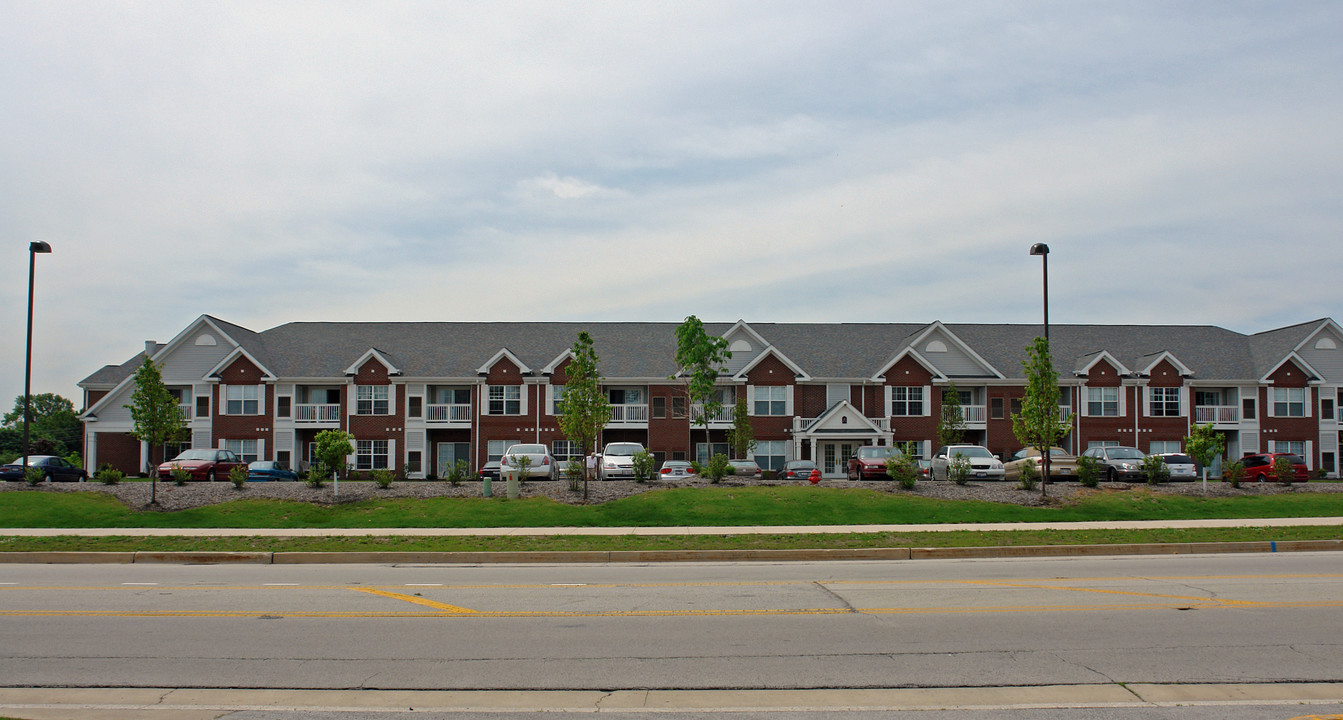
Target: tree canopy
pixel 584 409
pixel 701 357
pixel 1038 424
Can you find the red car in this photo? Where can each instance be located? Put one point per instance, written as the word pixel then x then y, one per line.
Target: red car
pixel 210 464
pixel 869 462
pixel 1259 468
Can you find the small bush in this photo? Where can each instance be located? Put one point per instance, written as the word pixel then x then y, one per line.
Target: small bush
pixel 1030 476
pixel 1235 473
pixel 238 476
pixel 33 475
pixel 1154 470
pixel 382 477
pixel 901 469
pixel 180 475
pixel 1283 471
pixel 958 470
pixel 717 468
pixel 1088 471
pixel 315 477
pixel 643 466
pixel 109 476
pixel 573 472
pixel 457 472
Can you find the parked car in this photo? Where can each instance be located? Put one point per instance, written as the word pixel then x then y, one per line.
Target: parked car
pixel 797 470
pixel 617 460
pixel 1259 467
pixel 1182 467
pixel 266 470
pixel 869 462
pixel 490 470
pixel 541 464
pixel 745 468
pixel 1062 464
pixel 206 464
pixel 1118 462
pixel 54 469
pixel 984 465
pixel 676 470
pixel 925 468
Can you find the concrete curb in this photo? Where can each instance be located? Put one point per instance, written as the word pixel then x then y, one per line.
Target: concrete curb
pixel 653 556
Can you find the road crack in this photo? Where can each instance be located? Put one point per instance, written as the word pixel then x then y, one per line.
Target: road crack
pixel 838 598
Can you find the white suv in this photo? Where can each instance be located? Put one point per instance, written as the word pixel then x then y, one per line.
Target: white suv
pixel 617 460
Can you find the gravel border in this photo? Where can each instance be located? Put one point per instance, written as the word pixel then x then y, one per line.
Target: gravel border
pixel 173 497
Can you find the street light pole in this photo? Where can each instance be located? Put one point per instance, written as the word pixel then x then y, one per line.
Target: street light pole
pixel 1042 250
pixel 33 249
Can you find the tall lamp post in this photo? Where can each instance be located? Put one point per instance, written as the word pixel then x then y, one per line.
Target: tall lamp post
pixel 1042 250
pixel 33 249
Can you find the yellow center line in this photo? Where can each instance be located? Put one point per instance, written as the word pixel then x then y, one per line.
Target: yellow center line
pixel 1092 590
pixel 417 600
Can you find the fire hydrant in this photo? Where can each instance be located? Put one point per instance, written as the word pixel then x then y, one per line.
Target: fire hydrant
pixel 815 476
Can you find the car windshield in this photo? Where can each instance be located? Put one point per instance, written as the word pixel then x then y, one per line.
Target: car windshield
pixel 970 452
pixel 793 465
pixel 1125 454
pixel 878 452
pixel 527 450
pixel 196 455
pixel 623 449
pixel 1178 459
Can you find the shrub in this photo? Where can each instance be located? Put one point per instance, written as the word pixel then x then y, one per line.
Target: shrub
pixel 109 475
pixel 33 475
pixel 1154 469
pixel 524 463
pixel 1283 471
pixel 457 472
pixel 180 475
pixel 238 476
pixel 1088 471
pixel 901 468
pixel 643 466
pixel 1235 473
pixel 717 468
pixel 315 477
pixel 573 472
pixel 1030 476
pixel 958 470
pixel 382 477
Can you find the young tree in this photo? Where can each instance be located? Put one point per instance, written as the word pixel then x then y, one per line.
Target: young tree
pixel 156 416
pixel 1038 424
pixel 740 437
pixel 333 447
pixel 584 409
pixel 951 426
pixel 700 358
pixel 1204 445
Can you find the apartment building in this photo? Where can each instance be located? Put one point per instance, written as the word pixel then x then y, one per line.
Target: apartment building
pixel 420 396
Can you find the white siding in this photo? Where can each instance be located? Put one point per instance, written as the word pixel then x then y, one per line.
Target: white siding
pixel 189 362
pixel 955 362
pixel 740 356
pixel 1329 362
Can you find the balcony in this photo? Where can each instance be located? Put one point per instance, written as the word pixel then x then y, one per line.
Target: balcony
pixel 1216 414
pixel 453 414
pixel 974 415
pixel 722 417
pixel 308 414
pixel 629 414
pixel 804 424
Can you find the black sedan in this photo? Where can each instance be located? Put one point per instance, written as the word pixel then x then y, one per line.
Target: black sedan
pixel 264 470
pixel 54 469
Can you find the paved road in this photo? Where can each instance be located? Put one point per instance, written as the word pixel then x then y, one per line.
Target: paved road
pixel 812 627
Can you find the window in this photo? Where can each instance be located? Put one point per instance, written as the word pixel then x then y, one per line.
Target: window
pixel 415 407
pixel 454 396
pixel 413 460
pixel 1327 462
pixel 282 457
pixel 625 396
pixel 771 400
pixel 771 454
pixel 678 408
pixel 202 406
pixel 283 406
pixel 1295 447
pixel 1289 402
pixel 241 400
pixel 1326 409
pixel 906 401
pixel 557 403
pixel 995 408
pixel 1102 443
pixel 370 454
pixel 495 449
pixel 505 400
pixel 1103 401
pixel 371 400
pixel 1247 408
pixel 1016 406
pixel 245 449
pixel 563 451
pixel 1165 402
pixel 703 452
pixel 659 407
pixel 1164 446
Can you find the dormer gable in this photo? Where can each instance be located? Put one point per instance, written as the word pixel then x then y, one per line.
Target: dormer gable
pixel 504 361
pixel 1101 365
pixel 900 370
pixel 843 417
pixel 953 357
pixel 1149 364
pixel 373 355
pixel 745 344
pixel 240 368
pixel 774 355
pixel 1291 371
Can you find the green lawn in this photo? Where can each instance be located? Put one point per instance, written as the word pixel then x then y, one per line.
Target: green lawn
pixel 681 507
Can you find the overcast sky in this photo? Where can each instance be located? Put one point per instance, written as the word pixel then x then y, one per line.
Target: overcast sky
pixel 275 161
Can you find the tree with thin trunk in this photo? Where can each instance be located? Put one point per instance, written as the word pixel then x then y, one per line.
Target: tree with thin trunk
pixel 1038 424
pixel 701 359
pixel 584 409
pixel 1204 445
pixel 951 423
pixel 157 419
pixel 741 437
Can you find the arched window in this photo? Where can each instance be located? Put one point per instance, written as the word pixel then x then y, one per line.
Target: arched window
pixel 740 346
pixel 206 339
pixel 936 346
pixel 1326 344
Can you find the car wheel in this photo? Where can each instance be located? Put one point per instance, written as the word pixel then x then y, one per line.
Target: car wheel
pixel 1113 475
pixel 48 478
pixel 210 476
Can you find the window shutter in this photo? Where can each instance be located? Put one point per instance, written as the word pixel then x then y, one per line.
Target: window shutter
pixel 482 399
pixel 391 401
pixel 1122 392
pixel 750 400
pixel 1146 401
pixel 261 449
pixel 391 454
pixel 886 394
pixel 1184 402
pixel 927 405
pixel 1267 410
pixel 1084 410
pixel 523 392
pixel 788 400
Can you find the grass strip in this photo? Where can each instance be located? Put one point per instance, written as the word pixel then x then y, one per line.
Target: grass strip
pixel 375 543
pixel 685 507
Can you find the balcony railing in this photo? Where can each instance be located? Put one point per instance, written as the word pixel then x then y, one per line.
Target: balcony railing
pixel 724 414
pixel 801 424
pixel 307 413
pixel 974 414
pixel 449 413
pixel 1064 412
pixel 629 413
pixel 1216 414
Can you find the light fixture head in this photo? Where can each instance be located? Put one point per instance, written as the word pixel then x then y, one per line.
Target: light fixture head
pixel 1039 249
pixel 39 247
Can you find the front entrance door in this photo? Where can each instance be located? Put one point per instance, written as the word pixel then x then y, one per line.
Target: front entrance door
pixel 835 458
pixel 449 453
